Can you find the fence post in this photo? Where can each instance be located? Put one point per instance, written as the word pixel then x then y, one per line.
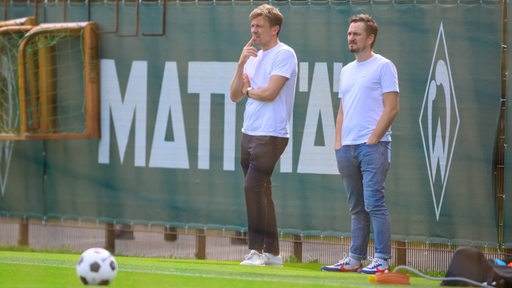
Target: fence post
pixel 201 244
pixel 110 237
pixel 23 232
pixel 401 253
pixel 297 247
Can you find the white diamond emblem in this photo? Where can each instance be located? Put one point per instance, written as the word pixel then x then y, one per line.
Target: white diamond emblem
pixel 439 122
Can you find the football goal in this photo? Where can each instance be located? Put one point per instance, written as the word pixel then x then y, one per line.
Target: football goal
pixel 49 80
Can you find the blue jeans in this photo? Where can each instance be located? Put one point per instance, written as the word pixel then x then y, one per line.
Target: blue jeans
pixel 364 169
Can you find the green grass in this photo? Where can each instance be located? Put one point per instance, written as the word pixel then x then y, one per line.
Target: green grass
pixel 39 269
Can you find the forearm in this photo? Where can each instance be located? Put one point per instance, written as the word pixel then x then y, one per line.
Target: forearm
pixel 269 92
pixel 236 85
pixel 262 94
pixel 339 124
pixel 385 122
pixel 337 139
pixel 391 107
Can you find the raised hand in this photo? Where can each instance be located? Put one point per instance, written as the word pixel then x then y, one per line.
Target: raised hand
pixel 248 51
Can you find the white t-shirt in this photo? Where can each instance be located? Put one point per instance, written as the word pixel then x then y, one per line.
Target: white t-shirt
pixel 361 89
pixel 271 118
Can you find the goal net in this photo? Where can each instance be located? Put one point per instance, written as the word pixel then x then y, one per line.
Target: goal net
pixel 49 83
pixel 11 33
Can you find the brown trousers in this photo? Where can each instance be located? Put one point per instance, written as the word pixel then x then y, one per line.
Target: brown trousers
pixel 259 156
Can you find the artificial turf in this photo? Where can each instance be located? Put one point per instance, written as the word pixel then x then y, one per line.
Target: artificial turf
pixel 45 269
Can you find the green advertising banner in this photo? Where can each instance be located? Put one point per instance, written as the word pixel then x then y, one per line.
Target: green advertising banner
pixel 169 150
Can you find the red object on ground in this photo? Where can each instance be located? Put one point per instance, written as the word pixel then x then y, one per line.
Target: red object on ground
pixel 392 278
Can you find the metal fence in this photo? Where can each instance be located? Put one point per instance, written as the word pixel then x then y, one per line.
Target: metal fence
pixel 213 244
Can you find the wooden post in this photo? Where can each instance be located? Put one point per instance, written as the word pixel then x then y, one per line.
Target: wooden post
pixel 23 233
pixel 201 244
pixel 297 247
pixel 401 253
pixel 110 237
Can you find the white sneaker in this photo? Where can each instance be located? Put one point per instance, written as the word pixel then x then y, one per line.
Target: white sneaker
pixel 272 260
pixel 376 266
pixel 346 265
pixel 254 258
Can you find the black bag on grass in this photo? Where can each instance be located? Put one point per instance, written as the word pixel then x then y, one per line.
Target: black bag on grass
pixel 470 263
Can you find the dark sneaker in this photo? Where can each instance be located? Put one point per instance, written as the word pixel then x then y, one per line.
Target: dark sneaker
pixel 377 266
pixel 346 265
pixel 254 258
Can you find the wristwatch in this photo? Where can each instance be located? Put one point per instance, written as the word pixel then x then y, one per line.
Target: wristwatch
pixel 247 92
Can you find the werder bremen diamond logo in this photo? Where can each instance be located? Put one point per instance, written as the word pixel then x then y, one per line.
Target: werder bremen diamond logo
pixel 439 121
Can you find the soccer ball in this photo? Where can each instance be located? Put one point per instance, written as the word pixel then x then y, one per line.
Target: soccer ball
pixel 96 266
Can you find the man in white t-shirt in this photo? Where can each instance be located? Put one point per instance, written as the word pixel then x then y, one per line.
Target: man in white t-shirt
pixel 368 93
pixel 266 78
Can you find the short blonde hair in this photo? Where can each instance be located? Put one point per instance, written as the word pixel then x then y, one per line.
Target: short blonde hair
pixel 270 13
